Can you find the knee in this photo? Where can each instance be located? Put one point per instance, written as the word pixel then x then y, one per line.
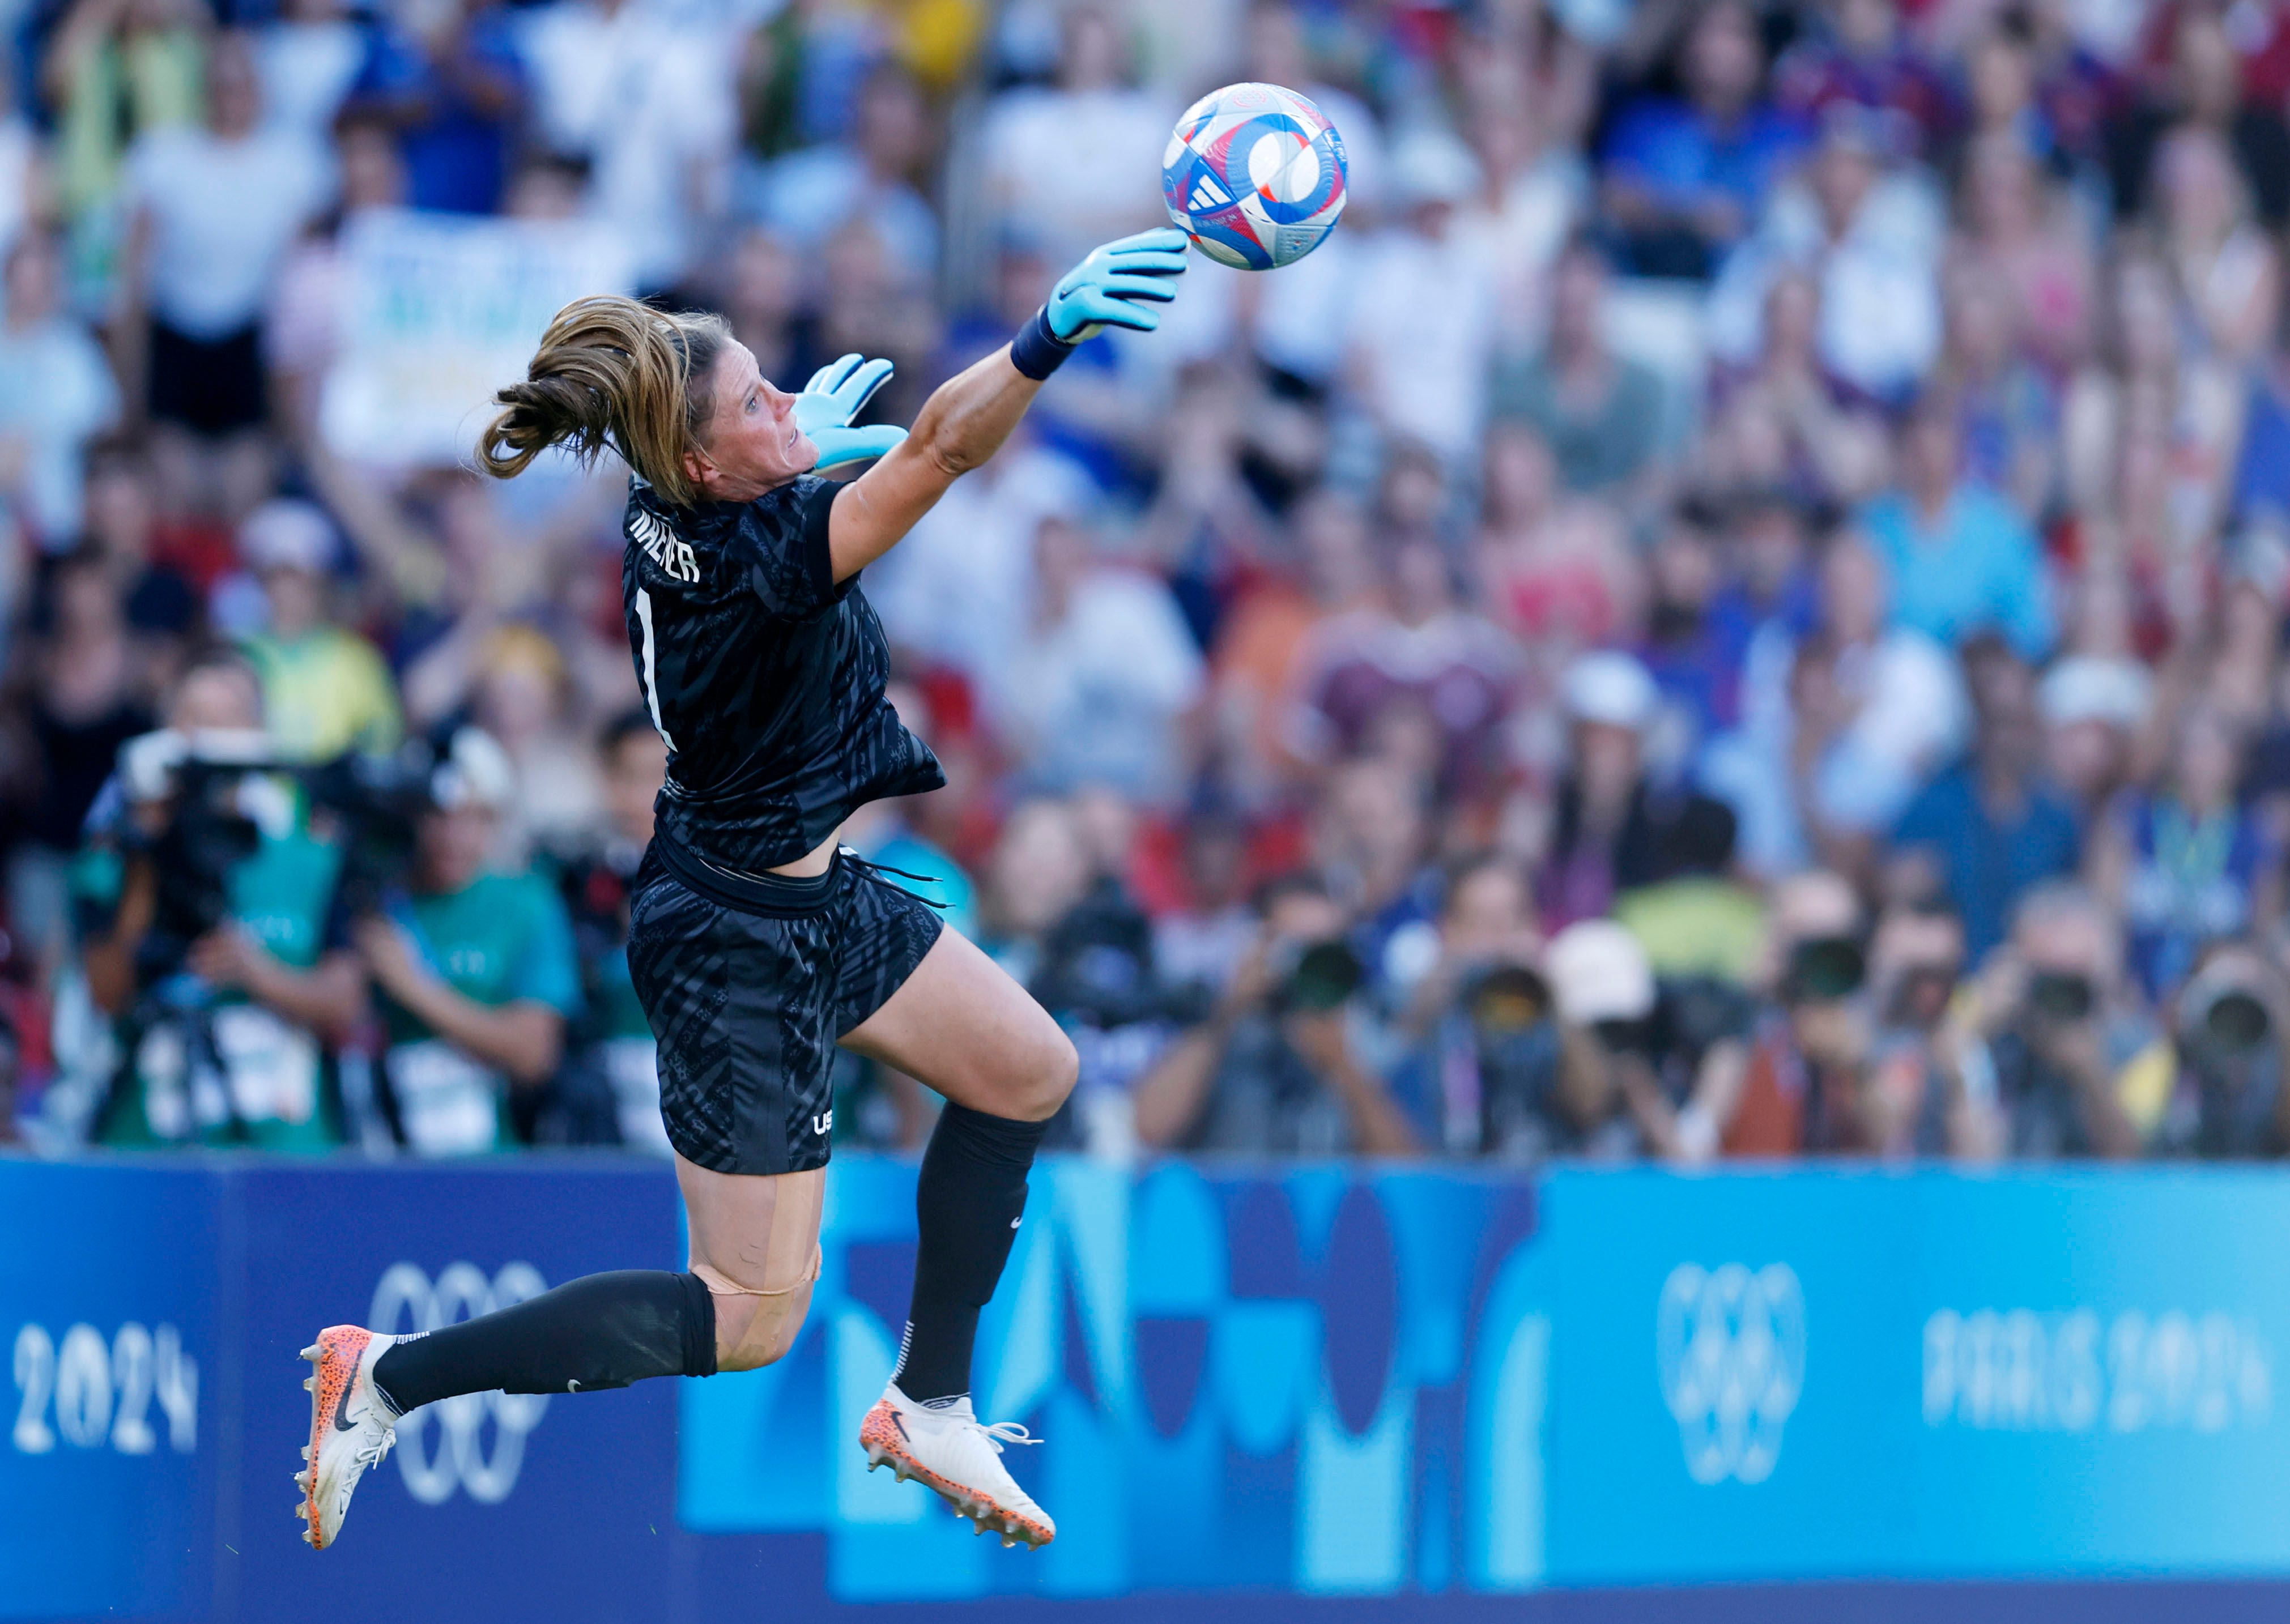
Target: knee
pixel 749 1334
pixel 1048 1077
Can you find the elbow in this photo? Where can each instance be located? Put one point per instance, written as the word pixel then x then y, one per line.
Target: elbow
pixel 937 436
pixel 538 1052
pixel 951 459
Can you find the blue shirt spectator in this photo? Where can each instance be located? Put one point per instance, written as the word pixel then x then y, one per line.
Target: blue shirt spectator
pixel 1686 179
pixel 1963 560
pixel 1989 851
pixel 2261 476
pixel 1990 827
pixel 457 97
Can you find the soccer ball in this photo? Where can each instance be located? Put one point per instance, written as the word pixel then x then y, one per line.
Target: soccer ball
pixel 1255 174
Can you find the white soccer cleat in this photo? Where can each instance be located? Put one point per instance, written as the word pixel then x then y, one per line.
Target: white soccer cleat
pixel 351 1428
pixel 947 1449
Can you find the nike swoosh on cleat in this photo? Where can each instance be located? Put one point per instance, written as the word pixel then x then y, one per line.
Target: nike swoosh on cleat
pixel 342 1422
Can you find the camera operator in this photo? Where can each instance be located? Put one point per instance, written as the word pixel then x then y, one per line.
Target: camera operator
pixel 1275 1069
pixel 1644 1064
pixel 1557 1055
pixel 475 968
pixel 1471 1013
pixel 2052 1036
pixel 2232 1028
pixel 1848 1063
pixel 206 908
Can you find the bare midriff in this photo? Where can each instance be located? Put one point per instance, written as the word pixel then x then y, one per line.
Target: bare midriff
pixel 812 863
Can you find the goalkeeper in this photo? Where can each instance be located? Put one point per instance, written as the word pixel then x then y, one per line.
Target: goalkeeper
pixel 755 944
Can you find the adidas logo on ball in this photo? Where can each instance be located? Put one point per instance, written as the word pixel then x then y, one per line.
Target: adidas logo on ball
pixel 1255 175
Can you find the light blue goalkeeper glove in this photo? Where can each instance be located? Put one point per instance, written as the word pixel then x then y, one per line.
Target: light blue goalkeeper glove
pixel 831 399
pixel 1117 286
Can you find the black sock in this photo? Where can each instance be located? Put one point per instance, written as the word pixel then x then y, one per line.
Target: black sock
pixel 600 1331
pixel 968 1201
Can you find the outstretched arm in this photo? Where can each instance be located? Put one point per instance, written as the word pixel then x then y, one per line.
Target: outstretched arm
pixel 967 418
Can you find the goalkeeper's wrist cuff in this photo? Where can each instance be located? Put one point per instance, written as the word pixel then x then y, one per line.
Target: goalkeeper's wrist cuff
pixel 1036 351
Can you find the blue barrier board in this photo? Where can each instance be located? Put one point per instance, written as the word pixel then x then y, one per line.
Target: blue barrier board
pixel 1371 1392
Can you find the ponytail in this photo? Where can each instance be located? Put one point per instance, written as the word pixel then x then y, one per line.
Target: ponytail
pixel 612 373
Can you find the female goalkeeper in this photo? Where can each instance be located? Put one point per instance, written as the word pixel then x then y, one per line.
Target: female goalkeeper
pixel 754 944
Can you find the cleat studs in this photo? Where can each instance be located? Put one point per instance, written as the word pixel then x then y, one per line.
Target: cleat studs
pixel 309 1382
pixel 306 1452
pixel 1007 1542
pixel 312 1353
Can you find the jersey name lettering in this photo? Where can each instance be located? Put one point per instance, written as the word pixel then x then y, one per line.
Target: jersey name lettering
pixel 662 546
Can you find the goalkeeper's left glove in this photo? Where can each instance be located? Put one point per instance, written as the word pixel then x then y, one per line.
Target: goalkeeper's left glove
pixel 831 399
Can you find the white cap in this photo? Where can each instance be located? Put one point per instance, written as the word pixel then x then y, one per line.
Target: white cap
pixel 285 535
pixel 1598 971
pixel 476 771
pixel 1431 165
pixel 2086 688
pixel 1611 687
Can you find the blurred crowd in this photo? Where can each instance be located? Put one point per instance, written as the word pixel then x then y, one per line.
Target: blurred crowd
pixel 1733 608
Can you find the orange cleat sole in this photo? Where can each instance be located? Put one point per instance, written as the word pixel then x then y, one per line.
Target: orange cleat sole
pixel 884 1440
pixel 335 1355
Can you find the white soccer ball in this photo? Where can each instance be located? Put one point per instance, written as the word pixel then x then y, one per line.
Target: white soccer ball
pixel 1255 175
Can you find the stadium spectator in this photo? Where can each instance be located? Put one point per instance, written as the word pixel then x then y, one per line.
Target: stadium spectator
pixel 1090 692
pixel 1686 179
pixel 2227 1097
pixel 80 699
pixel 1962 560
pixel 608 1091
pixel 1074 164
pixel 1601 412
pixel 472 968
pixel 1990 828
pixel 1841 727
pixel 2053 1040
pixel 1870 238
pixel 1276 1069
pixel 214 209
pixel 113 71
pixel 325 688
pixel 454 87
pixel 1856 54
pixel 2017 238
pixel 311 57
pixel 1554 569
pixel 1415 667
pixel 56 394
pixel 1781 422
pixel 2095 710
pixel 1605 816
pixel 206 902
pixel 805 196
pixel 1423 302
pixel 2188 864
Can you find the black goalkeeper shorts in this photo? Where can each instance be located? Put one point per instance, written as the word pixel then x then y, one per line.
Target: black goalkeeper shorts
pixel 749 980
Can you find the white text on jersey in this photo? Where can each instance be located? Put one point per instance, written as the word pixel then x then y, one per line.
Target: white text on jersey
pixel 662 546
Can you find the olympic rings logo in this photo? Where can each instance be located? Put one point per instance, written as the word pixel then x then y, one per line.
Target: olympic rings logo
pixel 1730 1345
pixel 406 1300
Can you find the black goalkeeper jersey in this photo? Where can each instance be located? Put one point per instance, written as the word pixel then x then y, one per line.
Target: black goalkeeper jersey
pixel 762 675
